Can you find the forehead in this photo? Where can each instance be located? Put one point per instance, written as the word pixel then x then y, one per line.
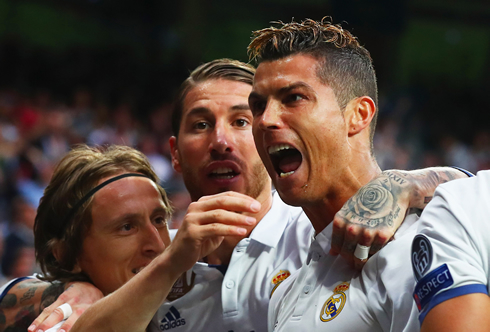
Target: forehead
pixel 125 195
pixel 217 94
pixel 286 71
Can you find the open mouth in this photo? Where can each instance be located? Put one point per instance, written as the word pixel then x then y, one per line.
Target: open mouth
pixel 285 159
pixel 223 173
pixel 138 270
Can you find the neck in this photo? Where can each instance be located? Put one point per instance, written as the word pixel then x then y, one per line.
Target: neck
pixel 222 255
pixel 322 212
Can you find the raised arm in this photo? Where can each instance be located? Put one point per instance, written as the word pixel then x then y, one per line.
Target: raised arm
pixel 371 217
pixel 206 223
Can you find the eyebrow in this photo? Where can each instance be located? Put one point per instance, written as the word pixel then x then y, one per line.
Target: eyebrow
pixel 283 90
pixel 135 216
pixel 293 86
pixel 205 110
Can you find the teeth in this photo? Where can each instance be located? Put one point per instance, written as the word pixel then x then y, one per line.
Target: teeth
pixel 136 271
pixel 225 176
pixel 279 147
pixel 283 175
pixel 222 170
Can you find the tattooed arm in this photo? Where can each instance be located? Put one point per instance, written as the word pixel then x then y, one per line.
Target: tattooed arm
pixel 25 301
pixel 372 216
pixel 33 298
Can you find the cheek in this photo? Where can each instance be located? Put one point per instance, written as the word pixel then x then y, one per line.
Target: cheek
pixel 192 151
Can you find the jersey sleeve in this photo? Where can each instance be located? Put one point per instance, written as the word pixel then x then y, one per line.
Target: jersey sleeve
pixel 449 257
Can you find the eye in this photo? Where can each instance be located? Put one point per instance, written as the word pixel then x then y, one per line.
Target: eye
pixel 241 122
pixel 160 221
pixel 126 227
pixel 257 107
pixel 201 125
pixel 294 97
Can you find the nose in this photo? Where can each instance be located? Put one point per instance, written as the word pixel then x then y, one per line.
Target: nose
pixel 152 241
pixel 271 117
pixel 221 139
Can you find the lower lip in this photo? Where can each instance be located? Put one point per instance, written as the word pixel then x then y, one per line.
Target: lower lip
pixel 224 180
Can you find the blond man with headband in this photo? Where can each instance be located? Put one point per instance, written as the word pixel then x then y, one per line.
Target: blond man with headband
pixel 103 220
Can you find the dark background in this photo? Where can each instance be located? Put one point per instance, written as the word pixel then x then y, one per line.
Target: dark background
pixel 105 71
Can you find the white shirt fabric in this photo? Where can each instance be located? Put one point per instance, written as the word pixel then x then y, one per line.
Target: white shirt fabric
pixel 238 301
pixel 451 255
pixel 326 294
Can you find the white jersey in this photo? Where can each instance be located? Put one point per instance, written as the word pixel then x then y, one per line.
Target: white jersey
pixel 238 300
pixel 451 255
pixel 326 294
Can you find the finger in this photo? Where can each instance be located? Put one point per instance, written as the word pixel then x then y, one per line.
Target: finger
pixel 44 315
pixel 359 263
pixel 216 229
pixel 365 239
pixel 338 234
pixel 352 234
pixel 219 216
pixel 51 320
pixel 225 194
pixel 380 240
pixel 233 202
pixel 68 324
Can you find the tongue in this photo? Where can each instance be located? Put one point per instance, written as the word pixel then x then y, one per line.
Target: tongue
pixel 290 163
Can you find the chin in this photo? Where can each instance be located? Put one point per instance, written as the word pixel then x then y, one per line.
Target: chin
pixel 290 197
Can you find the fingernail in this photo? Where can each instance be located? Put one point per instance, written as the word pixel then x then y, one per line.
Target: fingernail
pixel 250 220
pixel 61 330
pixel 241 231
pixel 31 328
pixel 39 330
pixel 255 206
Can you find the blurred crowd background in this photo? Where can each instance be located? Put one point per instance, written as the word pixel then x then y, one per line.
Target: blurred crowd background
pixel 105 71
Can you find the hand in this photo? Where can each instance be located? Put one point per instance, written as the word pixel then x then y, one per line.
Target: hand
pixel 207 222
pixel 372 216
pixel 79 295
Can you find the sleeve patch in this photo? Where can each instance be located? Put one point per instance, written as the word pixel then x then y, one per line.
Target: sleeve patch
pixel 421 255
pixel 431 284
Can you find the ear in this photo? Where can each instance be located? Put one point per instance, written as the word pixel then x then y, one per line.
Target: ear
pixel 175 154
pixel 58 253
pixel 359 114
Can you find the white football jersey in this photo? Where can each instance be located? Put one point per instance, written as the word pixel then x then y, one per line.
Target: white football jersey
pixel 239 299
pixel 326 294
pixel 451 255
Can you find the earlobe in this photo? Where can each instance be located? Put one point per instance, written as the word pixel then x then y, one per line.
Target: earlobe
pixel 362 111
pixel 175 154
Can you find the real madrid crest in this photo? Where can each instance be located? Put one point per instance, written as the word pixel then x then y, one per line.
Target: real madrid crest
pixel 335 303
pixel 278 278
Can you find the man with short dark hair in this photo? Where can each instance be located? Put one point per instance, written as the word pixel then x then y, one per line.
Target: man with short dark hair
pixel 314 105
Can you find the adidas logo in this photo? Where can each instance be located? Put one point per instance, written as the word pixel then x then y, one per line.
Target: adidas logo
pixel 171 320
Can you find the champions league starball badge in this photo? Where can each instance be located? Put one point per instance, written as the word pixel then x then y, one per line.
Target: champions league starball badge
pixel 421 255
